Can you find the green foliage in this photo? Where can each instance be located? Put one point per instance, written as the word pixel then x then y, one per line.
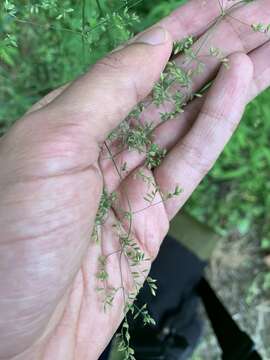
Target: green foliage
pixel 105 205
pixel 44 44
pixel 263 28
pixel 235 196
pixel 154 156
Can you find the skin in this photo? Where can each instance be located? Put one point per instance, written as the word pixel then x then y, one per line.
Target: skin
pixel 53 170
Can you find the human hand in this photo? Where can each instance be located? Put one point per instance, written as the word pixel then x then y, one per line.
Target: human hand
pixel 53 172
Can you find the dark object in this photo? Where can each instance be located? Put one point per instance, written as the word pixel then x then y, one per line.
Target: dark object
pixel 235 344
pixel 175 308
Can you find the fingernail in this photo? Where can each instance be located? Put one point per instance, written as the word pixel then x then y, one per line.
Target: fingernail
pixel 155 36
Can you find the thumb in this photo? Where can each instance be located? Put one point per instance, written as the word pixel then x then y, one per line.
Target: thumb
pixel 105 95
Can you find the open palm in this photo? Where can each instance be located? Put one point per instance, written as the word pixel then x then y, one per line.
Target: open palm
pixel 54 165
